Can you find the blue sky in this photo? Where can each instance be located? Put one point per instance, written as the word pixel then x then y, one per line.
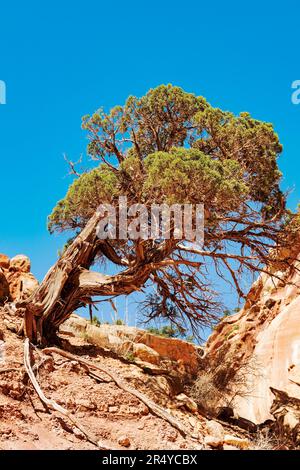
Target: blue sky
pixel 61 60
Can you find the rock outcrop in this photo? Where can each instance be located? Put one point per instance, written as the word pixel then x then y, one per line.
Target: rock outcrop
pixel 16 280
pixel 115 416
pixel 131 342
pixel 4 288
pixel 266 334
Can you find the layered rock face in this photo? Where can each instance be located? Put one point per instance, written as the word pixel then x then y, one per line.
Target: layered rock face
pixel 265 333
pixel 16 280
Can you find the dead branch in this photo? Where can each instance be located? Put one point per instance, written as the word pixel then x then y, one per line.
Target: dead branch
pixel 10 369
pixel 156 409
pixel 73 165
pixel 51 404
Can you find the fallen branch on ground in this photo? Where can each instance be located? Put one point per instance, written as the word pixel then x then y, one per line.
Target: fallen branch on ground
pixel 156 409
pixel 51 404
pixel 10 369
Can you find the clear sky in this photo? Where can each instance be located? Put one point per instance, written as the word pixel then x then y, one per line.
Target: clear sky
pixel 63 59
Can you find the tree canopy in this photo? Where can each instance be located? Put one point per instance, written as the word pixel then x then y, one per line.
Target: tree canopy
pixel 170 146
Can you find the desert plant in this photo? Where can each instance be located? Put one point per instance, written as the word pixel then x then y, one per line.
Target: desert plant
pixel 222 380
pixel 271 439
pixel 95 321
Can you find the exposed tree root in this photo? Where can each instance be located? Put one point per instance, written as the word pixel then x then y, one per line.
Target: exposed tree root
pixel 156 409
pixel 51 404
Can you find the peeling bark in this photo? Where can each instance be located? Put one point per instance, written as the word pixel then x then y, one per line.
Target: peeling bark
pixel 69 284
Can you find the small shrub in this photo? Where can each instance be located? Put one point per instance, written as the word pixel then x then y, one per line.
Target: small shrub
pixel 130 357
pixel 168 331
pixel 85 336
pixel 190 339
pixel 268 440
pixel 221 380
pixel 95 321
pixel 226 313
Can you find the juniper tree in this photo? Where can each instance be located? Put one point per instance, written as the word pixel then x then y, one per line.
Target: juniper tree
pixel 167 147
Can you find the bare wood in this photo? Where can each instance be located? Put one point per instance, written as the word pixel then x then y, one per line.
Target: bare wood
pixel 10 369
pixel 156 409
pixel 69 284
pixel 51 404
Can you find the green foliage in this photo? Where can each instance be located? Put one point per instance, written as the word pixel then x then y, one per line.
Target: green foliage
pixel 130 357
pixel 233 330
pixel 171 331
pixel 226 313
pixel 170 146
pixel 167 331
pixel 190 338
pixel 82 199
pixel 252 143
pixel 119 322
pixel 189 176
pixel 179 149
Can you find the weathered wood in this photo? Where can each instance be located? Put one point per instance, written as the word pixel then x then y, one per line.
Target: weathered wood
pixel 156 409
pixel 69 284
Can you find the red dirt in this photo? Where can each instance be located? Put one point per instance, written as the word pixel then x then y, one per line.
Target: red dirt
pixel 113 416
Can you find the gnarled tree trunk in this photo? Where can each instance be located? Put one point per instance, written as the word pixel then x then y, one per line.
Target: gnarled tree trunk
pixel 69 284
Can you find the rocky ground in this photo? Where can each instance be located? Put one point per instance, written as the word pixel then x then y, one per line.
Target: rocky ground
pixel 115 417
pixel 163 370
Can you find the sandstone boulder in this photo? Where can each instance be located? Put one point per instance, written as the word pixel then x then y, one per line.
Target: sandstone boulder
pixel 124 441
pixel 213 442
pixel 187 402
pixel 286 411
pixel 16 280
pixel 20 263
pixel 27 284
pixel 146 354
pixel 4 261
pixel 21 284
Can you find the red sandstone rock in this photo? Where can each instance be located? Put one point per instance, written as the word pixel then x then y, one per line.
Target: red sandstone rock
pixel 16 280
pixel 4 261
